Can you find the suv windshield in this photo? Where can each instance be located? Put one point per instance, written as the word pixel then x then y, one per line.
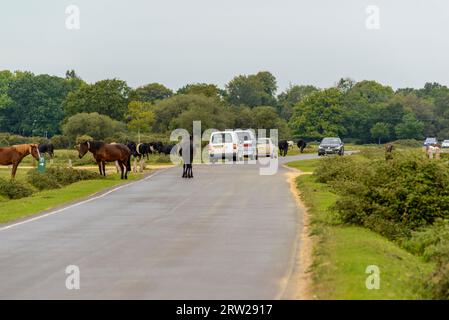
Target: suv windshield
pixel 331 141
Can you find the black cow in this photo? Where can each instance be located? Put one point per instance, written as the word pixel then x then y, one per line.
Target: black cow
pixel 283 147
pixel 139 150
pixel 47 148
pixel 156 146
pixel 301 145
pixel 167 148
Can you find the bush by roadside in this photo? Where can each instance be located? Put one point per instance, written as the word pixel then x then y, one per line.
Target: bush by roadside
pixel 57 177
pixel 14 189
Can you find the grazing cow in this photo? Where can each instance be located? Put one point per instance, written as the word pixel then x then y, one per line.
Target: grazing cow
pixel 301 145
pixel 47 148
pixel 139 150
pixel 283 147
pixel 389 151
pixel 104 152
pixel 187 157
pixel 14 155
pixel 156 146
pixel 167 148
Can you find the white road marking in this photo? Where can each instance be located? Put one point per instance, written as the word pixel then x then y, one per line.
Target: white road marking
pixel 79 203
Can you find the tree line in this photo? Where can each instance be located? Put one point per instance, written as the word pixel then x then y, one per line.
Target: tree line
pixel 366 111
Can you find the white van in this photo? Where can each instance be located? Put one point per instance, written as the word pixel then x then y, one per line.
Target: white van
pixel 225 145
pixel 249 142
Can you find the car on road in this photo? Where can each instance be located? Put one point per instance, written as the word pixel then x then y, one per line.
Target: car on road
pixel 248 139
pixel 331 145
pixel 266 148
pixel 430 142
pixel 225 145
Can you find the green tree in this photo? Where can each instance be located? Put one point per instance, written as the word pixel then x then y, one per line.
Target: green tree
pixel 364 104
pixel 93 124
pixel 140 116
pixel 292 96
pixel 108 97
pixel 380 131
pixel 35 106
pixel 266 117
pixel 252 90
pixel 167 112
pixel 150 93
pixel 318 115
pixel 409 128
pixel 208 90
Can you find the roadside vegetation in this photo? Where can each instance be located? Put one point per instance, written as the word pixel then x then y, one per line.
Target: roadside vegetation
pixel 365 211
pixel 32 192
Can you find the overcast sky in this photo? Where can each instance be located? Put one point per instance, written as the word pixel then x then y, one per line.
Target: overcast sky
pixel 175 42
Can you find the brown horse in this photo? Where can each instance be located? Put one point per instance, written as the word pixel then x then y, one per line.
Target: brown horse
pixel 14 155
pixel 104 152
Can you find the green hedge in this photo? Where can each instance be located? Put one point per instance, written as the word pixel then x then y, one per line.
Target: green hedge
pixel 57 177
pixel 14 189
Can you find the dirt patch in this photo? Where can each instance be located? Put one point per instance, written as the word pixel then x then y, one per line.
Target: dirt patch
pixel 299 285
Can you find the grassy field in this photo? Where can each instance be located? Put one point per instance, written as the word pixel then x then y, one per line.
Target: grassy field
pixel 11 210
pixel 342 253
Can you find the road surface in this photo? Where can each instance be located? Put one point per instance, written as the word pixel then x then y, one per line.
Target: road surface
pixel 229 233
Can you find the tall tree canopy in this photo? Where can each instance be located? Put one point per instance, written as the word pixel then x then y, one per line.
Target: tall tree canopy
pixel 252 90
pixel 318 115
pixel 34 104
pixel 108 97
pixel 150 93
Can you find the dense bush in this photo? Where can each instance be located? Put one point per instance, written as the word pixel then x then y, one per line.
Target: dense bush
pixel 408 143
pixel 432 243
pixel 60 142
pixel 14 189
pixel 391 197
pixel 7 139
pixel 58 177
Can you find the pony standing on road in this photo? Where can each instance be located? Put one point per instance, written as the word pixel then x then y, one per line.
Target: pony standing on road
pixel 186 151
pixel 104 152
pixel 14 155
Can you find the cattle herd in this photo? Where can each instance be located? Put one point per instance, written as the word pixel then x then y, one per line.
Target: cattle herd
pixel 116 152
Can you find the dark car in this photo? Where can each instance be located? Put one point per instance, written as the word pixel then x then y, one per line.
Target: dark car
pixel 331 146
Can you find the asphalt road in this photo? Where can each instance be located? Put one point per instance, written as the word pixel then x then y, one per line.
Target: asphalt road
pixel 229 233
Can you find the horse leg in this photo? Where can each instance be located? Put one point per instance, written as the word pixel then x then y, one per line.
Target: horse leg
pixel 183 170
pixel 190 171
pixel 99 167
pixel 103 163
pixel 120 163
pixel 13 171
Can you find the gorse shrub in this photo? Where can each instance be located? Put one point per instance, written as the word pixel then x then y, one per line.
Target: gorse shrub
pixel 14 189
pixel 58 177
pixel 390 197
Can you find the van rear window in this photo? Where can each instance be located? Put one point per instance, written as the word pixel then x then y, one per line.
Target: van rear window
pixel 221 138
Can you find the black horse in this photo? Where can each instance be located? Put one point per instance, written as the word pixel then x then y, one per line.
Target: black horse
pixel 301 145
pixel 47 148
pixel 283 147
pixel 187 157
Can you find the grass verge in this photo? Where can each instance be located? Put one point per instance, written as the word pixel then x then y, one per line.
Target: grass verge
pixel 342 253
pixel 11 210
